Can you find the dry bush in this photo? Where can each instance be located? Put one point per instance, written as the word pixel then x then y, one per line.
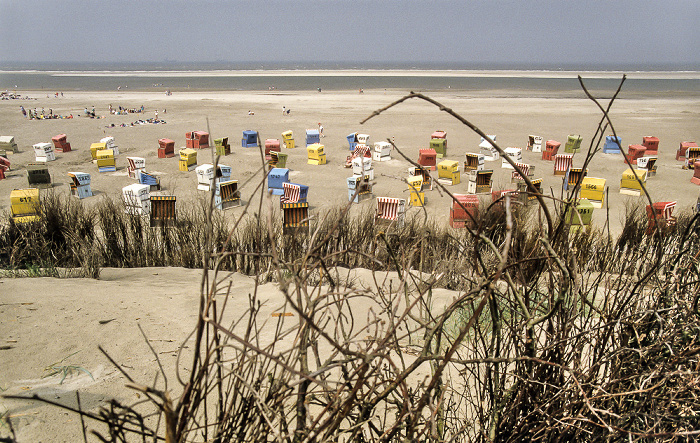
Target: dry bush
pixel 552 334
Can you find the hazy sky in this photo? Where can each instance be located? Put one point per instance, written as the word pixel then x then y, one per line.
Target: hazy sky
pixel 424 31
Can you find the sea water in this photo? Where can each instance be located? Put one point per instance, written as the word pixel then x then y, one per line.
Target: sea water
pixel 183 77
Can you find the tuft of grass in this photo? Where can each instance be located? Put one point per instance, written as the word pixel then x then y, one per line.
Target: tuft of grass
pixel 64 370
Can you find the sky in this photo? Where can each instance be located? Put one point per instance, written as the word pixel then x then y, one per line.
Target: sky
pixel 547 32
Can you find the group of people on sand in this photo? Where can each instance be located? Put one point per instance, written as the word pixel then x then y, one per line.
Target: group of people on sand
pixel 124 110
pixel 90 114
pixel 35 114
pixel 148 121
pixel 7 95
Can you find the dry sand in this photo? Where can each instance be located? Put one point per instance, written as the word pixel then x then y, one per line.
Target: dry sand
pixel 45 320
pixel 511 115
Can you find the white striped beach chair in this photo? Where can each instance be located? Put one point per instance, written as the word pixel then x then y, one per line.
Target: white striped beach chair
pixel 562 163
pixel 291 193
pixel 390 210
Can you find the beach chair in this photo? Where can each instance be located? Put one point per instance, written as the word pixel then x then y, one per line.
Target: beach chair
pixel 498 197
pixel 94 147
pixel 188 159
pixel 692 155
pixel 651 143
pixel 208 176
pixel 38 175
pixel 680 153
pixel 551 148
pixel 415 183
pixel 110 144
pixel 223 173
pixel 527 169
pixel 60 144
pixel 439 145
pixel 222 146
pixel 534 143
pixel 137 199
pixel 390 211
pixel 629 185
pixel 24 205
pixel 416 198
pixel 613 145
pixel 294 193
pixel 573 176
pixel 562 163
pixel 316 155
pixel 424 175
pixel 660 217
pixel 363 139
pixel 427 158
pixel 382 151
pixel 163 212
pixel 634 152
pixel 648 162
pixel 448 172
pixel 149 179
pixel 205 177
pixel 80 184
pixel 249 139
pixel 580 215
pixel 197 139
pixel 166 148
pixel 105 160
pixel 288 139
pixel 295 218
pixel 593 190
pixel 312 137
pixel 515 154
pixel 276 179
pixel 361 151
pixel 473 162
pixel 229 194
pixel 527 196
pixel 573 144
pixel 4 166
pixel 8 144
pixel 464 210
pixel 352 140
pixel 135 165
pixel 480 182
pixel 359 188
pixel 278 159
pixel 271 144
pixel 362 166
pixel 488 150
pixel 43 152
pixel 696 174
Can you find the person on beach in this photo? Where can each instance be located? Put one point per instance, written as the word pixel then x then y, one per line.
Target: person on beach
pixel 24 111
pixel 156 114
pixel 320 130
pixel 284 110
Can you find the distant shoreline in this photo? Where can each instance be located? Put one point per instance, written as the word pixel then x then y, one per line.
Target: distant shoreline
pixel 502 73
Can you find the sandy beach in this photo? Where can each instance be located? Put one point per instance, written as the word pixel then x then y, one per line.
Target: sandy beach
pixel 511 115
pixel 45 320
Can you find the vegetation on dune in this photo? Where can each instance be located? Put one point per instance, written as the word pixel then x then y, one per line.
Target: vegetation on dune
pixel 555 334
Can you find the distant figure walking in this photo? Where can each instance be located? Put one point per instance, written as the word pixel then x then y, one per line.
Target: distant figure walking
pixel 320 130
pixel 284 110
pixel 156 114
